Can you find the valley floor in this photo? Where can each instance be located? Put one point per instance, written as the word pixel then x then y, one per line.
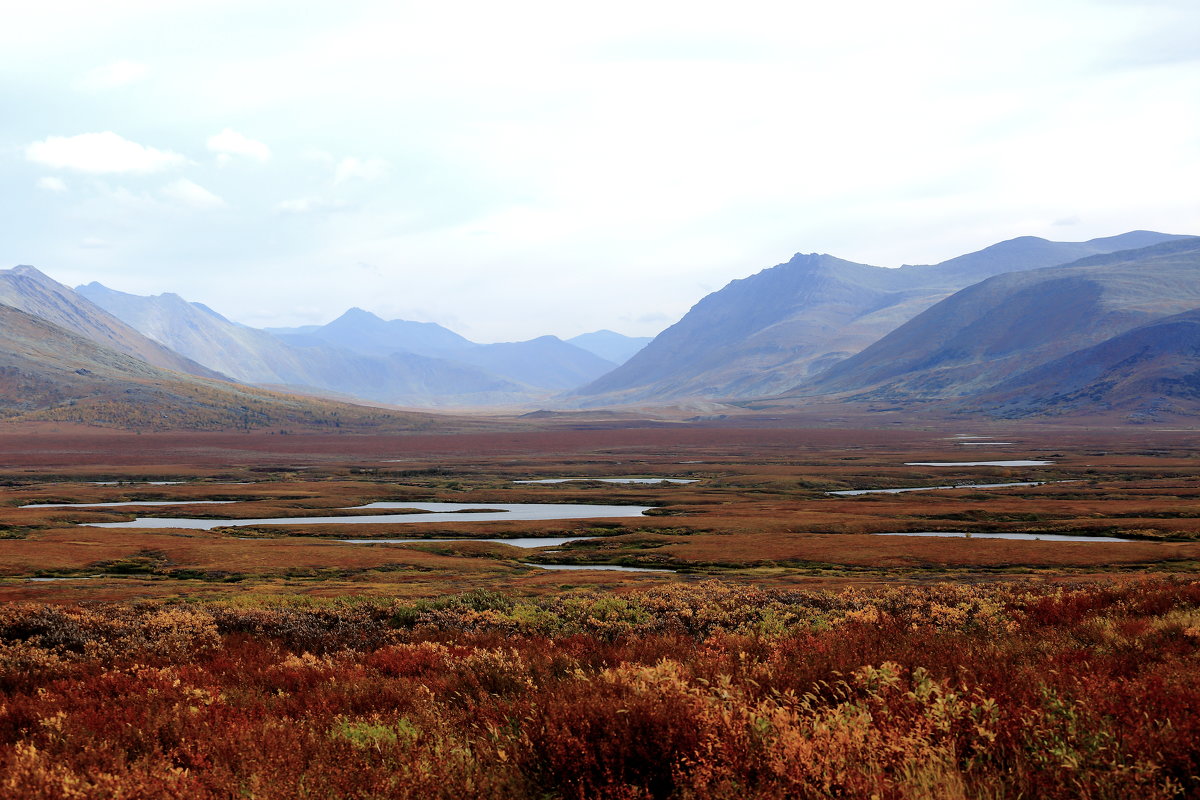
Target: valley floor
pixel 782 648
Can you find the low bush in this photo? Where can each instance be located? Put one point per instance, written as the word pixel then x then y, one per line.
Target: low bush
pixel 680 691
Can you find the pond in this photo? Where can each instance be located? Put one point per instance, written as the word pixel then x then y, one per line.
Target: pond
pixel 850 492
pixel 614 480
pixel 135 482
pixel 529 541
pixel 68 578
pixel 432 512
pixel 1034 537
pixel 977 463
pixel 612 567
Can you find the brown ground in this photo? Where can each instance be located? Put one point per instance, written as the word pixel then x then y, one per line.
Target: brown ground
pixel 759 512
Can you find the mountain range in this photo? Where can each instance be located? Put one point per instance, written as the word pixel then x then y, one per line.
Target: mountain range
pixel 771 332
pixel 359 355
pixel 1145 372
pixel 27 289
pixel 999 328
pixel 50 373
pixel 1024 327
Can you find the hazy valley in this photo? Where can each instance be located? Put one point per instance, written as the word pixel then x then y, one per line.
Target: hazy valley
pixel 1026 327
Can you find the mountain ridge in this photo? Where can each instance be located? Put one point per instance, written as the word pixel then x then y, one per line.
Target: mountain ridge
pixel 610 345
pixel 396 362
pixel 259 358
pixel 50 373
pixel 1006 325
pixel 772 331
pixel 1145 372
pixel 28 289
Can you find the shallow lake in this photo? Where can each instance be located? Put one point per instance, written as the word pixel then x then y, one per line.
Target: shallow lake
pixel 976 463
pixel 1039 537
pixel 134 483
pixel 849 492
pixel 612 567
pixel 534 541
pixel 70 578
pixel 434 512
pixel 614 480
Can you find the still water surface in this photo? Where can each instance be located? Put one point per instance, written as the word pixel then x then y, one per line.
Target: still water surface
pixel 433 512
pixel 1036 537
pixel 849 492
pixel 611 567
pixel 977 463
pixel 532 541
pixel 614 480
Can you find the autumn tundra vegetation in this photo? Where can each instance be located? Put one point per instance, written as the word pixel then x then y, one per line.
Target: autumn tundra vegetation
pixel 698 691
pixel 788 651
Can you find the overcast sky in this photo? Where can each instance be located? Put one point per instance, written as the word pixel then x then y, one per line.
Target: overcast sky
pixel 516 168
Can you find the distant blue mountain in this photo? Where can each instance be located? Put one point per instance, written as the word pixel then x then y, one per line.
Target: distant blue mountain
pixel 611 346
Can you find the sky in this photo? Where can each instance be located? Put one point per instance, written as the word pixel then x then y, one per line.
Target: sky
pixel 522 168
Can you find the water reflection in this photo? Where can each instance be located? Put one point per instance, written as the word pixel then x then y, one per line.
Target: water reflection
pixel 1033 537
pixel 426 513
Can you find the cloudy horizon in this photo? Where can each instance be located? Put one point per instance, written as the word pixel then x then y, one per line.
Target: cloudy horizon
pixel 510 171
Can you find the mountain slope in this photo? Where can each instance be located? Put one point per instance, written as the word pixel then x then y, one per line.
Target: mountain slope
pixel 1146 372
pixel 609 345
pixel 365 333
pixel 201 334
pixel 257 357
pixel 27 289
pixel 407 379
pixel 1032 252
pixel 50 373
pixel 999 328
pixel 546 363
pixel 770 332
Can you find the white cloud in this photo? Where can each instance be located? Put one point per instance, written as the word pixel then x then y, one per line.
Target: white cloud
pixel 660 148
pixel 368 169
pixel 51 184
pixel 99 153
pixel 118 73
pixel 230 143
pixel 191 194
